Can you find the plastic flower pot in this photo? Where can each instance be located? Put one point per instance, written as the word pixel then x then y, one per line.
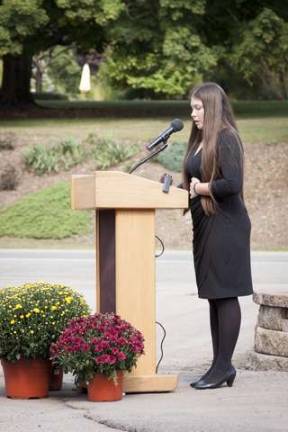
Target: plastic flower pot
pixel 26 379
pixel 55 378
pixel 103 389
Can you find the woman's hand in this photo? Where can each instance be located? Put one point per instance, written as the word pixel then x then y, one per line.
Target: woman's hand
pixel 194 181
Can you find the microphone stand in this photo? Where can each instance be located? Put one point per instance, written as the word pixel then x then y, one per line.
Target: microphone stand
pixel 148 157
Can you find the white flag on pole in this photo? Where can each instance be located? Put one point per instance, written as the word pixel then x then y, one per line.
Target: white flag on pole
pixel 85 83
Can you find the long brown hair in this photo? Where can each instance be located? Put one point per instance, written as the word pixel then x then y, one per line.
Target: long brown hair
pixel 218 115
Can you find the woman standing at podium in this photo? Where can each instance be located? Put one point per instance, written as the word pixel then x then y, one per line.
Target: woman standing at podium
pixel 213 174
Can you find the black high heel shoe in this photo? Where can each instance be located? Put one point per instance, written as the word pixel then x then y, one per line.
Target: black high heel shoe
pixel 194 383
pixel 201 379
pixel 228 377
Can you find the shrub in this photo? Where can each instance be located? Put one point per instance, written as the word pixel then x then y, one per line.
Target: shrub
pixel 64 155
pixel 7 141
pixel 33 315
pixel 9 178
pixel 172 157
pixel 107 152
pixel 61 156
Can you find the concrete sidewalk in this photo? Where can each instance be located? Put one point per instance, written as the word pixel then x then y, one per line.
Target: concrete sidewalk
pixel 257 401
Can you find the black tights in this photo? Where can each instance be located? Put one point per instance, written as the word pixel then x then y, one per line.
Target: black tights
pixel 225 319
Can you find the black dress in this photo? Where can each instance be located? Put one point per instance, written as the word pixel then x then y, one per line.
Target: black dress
pixel 221 242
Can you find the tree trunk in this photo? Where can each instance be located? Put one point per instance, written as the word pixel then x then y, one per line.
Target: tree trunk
pixel 38 79
pixel 283 84
pixel 17 72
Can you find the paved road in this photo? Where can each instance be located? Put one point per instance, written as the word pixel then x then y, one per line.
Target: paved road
pixel 184 316
pixel 258 401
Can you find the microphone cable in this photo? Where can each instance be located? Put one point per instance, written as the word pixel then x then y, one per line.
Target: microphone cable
pixel 162 245
pixel 157 322
pixel 161 345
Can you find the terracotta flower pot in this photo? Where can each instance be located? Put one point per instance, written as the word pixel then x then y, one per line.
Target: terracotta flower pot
pixel 25 379
pixel 101 389
pixel 55 378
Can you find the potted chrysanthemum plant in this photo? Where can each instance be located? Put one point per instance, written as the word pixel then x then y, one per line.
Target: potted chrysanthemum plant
pixel 98 349
pixel 32 316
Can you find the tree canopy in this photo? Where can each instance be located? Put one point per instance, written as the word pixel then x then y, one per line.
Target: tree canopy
pixel 168 45
pixel 154 47
pixel 35 25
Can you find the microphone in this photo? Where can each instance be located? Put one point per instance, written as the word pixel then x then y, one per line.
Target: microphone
pixel 167 181
pixel 175 126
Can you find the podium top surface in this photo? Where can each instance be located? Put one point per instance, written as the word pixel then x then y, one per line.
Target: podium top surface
pixel 115 189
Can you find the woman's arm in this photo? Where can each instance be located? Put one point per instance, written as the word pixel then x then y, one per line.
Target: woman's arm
pixel 231 167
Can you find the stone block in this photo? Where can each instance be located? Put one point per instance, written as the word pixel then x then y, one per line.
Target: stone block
pixel 273 318
pixel 276 299
pixel 271 342
pixel 264 362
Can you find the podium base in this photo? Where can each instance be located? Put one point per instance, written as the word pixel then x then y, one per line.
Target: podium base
pixel 150 383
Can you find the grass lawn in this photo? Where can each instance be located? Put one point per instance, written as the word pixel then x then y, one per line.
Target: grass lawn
pixel 44 215
pixel 266 130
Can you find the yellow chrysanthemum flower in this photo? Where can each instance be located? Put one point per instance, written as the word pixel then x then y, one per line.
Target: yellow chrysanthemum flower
pixel 68 299
pixel 12 321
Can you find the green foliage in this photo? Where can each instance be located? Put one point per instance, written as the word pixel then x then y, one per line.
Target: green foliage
pixel 19 19
pixel 33 315
pixel 179 8
pixel 107 152
pixel 59 157
pixel 64 155
pixel 101 12
pixel 30 27
pixel 184 42
pixel 44 215
pixel 63 70
pixel 154 48
pixel 37 24
pixel 262 52
pixel 172 157
pixel 166 56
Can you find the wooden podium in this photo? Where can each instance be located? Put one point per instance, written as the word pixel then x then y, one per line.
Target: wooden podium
pixel 125 207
